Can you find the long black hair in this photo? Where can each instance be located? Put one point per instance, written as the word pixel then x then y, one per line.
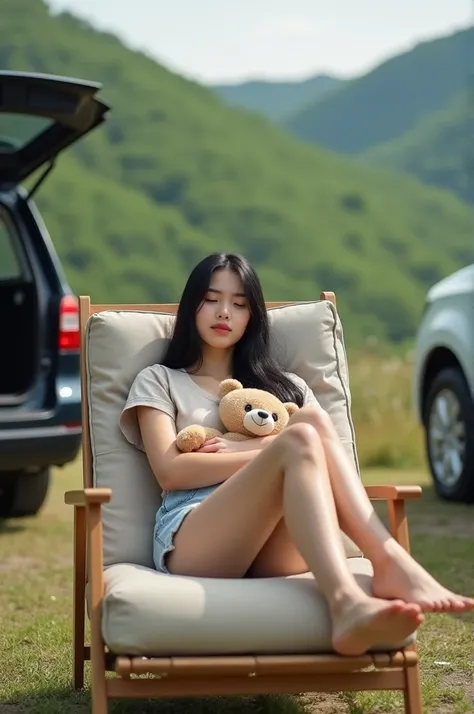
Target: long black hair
pixel 252 362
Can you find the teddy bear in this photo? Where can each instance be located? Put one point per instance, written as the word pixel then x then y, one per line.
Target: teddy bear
pixel 245 413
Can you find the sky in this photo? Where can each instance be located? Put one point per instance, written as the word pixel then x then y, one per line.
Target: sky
pixel 216 41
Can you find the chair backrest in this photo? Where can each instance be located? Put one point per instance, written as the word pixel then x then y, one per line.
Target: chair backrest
pixel 117 341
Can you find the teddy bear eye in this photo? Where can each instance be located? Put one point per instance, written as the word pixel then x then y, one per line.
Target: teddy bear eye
pixel 248 407
pixel 275 417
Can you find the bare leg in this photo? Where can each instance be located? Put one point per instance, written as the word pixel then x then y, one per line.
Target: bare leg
pixel 222 537
pixel 396 573
pixel 279 557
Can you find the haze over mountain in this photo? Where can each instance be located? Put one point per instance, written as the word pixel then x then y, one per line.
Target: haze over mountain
pixel 274 99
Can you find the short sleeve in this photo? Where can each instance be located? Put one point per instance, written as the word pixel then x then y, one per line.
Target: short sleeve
pixel 150 388
pixel 308 396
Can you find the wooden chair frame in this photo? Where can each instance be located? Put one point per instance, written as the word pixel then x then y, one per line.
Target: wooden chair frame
pixel 213 675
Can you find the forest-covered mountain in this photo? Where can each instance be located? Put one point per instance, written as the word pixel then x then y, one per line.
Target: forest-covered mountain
pixel 277 100
pixel 391 99
pixel 439 149
pixel 176 173
pixel 412 114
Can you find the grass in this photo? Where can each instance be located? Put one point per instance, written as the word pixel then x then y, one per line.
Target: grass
pixel 382 407
pixel 36 602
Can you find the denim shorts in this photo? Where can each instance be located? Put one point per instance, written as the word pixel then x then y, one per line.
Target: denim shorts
pixel 175 506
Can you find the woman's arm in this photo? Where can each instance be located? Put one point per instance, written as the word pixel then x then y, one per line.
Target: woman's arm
pixel 177 471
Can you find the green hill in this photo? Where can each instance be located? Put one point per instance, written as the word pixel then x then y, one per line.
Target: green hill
pixel 439 150
pixel 175 173
pixel 276 100
pixel 390 100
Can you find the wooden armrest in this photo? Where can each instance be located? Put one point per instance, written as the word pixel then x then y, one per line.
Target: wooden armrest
pixel 88 496
pixel 396 497
pixel 393 493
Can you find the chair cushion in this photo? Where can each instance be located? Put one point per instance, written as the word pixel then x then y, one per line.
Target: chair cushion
pixel 148 613
pixel 308 341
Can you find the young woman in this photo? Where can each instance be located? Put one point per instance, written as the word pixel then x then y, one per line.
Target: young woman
pixel 270 506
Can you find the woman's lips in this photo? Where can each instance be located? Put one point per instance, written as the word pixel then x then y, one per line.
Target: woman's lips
pixel 221 329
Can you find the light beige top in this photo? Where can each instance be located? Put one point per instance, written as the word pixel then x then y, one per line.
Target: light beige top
pixel 174 392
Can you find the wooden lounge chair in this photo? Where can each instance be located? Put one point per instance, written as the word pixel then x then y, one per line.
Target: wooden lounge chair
pixel 193 636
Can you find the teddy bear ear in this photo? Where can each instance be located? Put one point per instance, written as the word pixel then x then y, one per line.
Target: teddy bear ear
pixel 291 407
pixel 229 385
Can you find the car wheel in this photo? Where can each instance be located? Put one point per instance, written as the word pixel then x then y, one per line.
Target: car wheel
pixel 449 434
pixel 22 494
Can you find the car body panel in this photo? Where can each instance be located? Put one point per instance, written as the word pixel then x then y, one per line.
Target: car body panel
pixel 39 447
pixel 447 323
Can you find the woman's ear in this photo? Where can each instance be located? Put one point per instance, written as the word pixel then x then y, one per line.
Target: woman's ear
pixel 229 385
pixel 291 407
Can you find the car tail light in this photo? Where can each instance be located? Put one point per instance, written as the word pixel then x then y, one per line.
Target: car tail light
pixel 68 324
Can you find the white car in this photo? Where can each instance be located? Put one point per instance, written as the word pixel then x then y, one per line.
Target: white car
pixel 443 384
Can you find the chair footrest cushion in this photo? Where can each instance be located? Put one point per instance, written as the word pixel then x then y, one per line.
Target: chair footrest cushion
pixel 149 613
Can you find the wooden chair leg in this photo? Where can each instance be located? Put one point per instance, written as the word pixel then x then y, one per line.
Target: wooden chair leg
pixel 412 693
pixel 99 696
pixel 79 596
pixel 99 685
pixel 399 530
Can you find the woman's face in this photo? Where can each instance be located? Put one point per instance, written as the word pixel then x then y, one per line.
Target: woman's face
pixel 222 318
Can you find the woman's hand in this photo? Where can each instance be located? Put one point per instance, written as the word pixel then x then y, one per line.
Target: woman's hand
pixel 225 446
pixel 219 445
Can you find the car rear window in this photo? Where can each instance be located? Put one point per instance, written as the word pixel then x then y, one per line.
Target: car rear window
pixel 17 130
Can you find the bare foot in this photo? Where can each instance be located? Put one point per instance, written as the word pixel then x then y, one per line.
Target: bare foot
pixel 399 576
pixel 369 622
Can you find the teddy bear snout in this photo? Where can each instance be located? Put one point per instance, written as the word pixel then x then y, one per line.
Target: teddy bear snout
pixel 259 422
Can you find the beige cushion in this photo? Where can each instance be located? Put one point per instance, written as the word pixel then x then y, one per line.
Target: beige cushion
pixel 149 613
pixel 309 342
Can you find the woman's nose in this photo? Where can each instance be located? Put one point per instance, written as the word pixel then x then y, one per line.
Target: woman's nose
pixel 223 312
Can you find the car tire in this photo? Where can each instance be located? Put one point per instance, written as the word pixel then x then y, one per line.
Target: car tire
pixel 449 435
pixel 23 493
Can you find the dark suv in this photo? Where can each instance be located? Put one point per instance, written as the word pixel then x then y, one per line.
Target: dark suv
pixel 40 408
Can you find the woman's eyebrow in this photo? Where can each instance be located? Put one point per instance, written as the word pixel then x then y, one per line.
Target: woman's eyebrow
pixel 215 290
